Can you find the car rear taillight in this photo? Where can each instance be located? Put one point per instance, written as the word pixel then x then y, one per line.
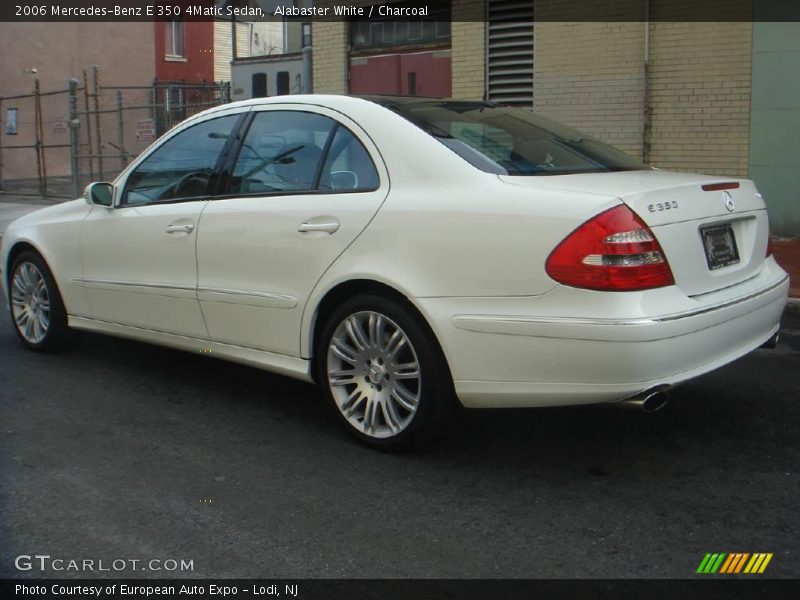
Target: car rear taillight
pixel 614 251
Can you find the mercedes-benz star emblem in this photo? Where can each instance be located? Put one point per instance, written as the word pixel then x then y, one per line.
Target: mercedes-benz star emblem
pixel 729 204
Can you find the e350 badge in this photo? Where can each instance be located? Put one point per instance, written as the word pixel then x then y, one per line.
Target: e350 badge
pixel 662 206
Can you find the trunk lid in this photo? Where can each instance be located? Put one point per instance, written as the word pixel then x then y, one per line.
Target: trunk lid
pixel 712 238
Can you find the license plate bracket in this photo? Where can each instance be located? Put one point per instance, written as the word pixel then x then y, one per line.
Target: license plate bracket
pixel 720 247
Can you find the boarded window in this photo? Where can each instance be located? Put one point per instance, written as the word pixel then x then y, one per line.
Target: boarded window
pixel 259 85
pixel 283 83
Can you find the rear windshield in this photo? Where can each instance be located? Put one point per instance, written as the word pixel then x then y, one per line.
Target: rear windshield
pixel 512 141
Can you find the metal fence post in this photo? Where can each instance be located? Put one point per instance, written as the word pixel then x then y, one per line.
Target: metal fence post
pixel 154 103
pixel 37 119
pixel 88 123
pixel 74 123
pixel 167 109
pixel 123 155
pixel 42 145
pixel 98 129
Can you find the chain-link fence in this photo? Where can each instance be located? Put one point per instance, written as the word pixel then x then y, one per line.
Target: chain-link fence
pixel 53 143
pixel 34 140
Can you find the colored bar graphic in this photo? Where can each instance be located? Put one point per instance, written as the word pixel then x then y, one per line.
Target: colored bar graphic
pixel 727 564
pixel 764 564
pixel 734 563
pixel 711 563
pixel 703 564
pixel 717 564
pixel 740 564
pixel 755 562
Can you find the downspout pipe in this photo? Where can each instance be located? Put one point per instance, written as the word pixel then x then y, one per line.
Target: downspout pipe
pixel 646 109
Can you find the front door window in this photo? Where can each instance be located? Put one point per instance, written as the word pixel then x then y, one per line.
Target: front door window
pixel 183 166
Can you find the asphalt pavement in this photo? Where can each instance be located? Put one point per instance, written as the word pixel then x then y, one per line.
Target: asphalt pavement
pixel 115 449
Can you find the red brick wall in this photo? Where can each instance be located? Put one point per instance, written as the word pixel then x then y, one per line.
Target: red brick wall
pixel 198 51
pixel 388 74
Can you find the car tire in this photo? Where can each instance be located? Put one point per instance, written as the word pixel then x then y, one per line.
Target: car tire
pixel 37 310
pixel 384 373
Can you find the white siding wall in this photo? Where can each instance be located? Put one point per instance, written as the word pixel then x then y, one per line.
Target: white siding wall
pixel 270 37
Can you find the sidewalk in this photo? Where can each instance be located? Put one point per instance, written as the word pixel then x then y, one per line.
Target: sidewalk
pixel 787 251
pixel 14 207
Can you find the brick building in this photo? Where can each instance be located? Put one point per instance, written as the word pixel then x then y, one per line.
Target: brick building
pixel 176 65
pixel 52 53
pixel 692 95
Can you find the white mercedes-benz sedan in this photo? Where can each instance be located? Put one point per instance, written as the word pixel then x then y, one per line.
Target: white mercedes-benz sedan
pixel 406 252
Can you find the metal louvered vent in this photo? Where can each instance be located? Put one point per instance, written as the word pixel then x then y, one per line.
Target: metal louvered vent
pixel 509 54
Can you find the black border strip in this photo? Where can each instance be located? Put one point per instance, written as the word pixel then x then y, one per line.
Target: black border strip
pixel 699 588
pixel 18 11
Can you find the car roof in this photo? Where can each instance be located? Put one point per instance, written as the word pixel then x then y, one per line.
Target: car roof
pixel 386 99
pixel 344 102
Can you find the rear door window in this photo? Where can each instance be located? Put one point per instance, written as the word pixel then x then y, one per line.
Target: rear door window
pixel 282 152
pixel 348 165
pixel 296 151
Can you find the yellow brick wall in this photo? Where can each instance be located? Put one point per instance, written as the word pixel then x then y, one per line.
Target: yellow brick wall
pixel 329 56
pixel 330 61
pixel 700 96
pixel 591 76
pixel 468 49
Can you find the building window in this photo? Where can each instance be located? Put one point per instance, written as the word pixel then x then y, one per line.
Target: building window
pixel 282 83
pixel 173 38
pixel 388 33
pixel 11 121
pixel 259 84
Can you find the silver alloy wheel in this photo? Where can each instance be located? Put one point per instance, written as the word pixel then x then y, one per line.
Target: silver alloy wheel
pixel 374 374
pixel 30 302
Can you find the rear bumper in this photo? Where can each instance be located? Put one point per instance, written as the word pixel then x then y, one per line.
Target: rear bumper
pixel 524 352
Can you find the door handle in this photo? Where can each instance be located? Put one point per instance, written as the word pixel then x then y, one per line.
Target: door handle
pixel 329 227
pixel 186 228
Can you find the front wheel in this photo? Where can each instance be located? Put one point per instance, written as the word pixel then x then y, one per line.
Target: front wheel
pixel 383 372
pixel 37 310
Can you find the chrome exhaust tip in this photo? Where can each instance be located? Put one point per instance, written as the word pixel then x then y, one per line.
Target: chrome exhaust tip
pixel 772 342
pixel 649 401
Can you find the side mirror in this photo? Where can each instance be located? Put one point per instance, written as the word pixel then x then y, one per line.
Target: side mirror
pixel 99 193
pixel 344 180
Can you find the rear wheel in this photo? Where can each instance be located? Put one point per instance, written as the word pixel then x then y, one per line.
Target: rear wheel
pixel 37 310
pixel 383 372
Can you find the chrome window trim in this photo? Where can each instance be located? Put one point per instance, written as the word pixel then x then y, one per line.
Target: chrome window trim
pixel 287 300
pixel 164 286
